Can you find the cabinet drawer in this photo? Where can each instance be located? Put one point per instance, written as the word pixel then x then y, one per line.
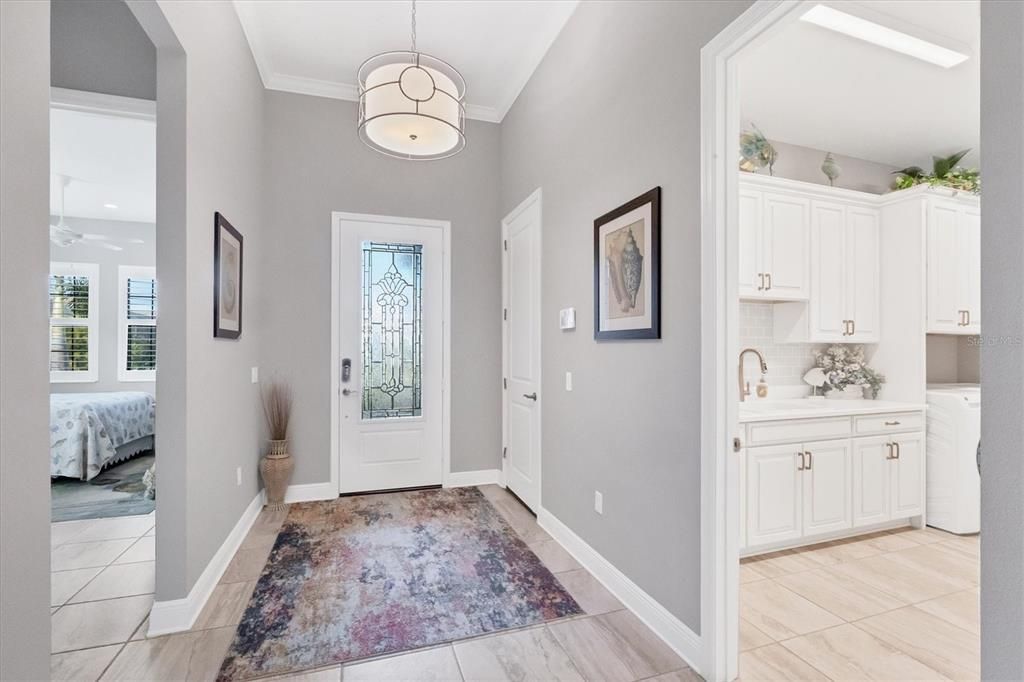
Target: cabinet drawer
pixel 797 430
pixel 871 424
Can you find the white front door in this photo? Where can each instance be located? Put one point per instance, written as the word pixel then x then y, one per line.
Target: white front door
pixel 522 234
pixel 390 341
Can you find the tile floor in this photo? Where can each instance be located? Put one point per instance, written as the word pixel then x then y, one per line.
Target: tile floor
pixel 108 640
pixel 894 605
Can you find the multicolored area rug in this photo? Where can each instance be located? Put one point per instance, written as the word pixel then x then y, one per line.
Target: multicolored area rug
pixel 377 574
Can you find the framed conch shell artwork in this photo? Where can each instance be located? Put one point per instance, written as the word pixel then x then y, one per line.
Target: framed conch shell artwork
pixel 227 279
pixel 627 286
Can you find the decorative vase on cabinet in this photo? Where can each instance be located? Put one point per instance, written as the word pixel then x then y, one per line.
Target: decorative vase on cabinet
pixel 851 392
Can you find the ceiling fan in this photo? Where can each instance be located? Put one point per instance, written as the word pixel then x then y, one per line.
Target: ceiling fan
pixel 62 235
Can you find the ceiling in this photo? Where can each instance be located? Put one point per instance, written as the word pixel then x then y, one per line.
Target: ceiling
pixel 315 47
pixel 813 87
pixel 111 160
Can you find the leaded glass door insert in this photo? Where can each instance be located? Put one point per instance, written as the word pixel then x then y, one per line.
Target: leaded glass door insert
pixel 392 330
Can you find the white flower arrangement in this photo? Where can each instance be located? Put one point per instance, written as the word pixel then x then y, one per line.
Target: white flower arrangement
pixel 845 366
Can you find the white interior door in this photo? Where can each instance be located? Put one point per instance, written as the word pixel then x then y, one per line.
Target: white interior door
pixel 390 340
pixel 521 266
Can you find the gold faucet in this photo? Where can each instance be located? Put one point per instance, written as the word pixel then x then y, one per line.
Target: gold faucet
pixel 745 385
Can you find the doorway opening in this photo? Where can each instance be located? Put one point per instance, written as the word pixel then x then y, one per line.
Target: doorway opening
pixel 390 353
pixel 827 270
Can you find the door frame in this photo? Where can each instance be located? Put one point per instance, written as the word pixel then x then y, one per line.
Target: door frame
pixel 535 197
pixel 719 465
pixel 337 219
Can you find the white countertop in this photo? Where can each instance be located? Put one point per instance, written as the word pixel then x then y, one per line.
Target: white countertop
pixel 803 408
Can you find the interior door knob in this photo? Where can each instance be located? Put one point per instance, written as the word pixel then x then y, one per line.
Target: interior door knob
pixel 530 396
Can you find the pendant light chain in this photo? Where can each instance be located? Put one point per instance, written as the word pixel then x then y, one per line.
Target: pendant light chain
pixel 414 26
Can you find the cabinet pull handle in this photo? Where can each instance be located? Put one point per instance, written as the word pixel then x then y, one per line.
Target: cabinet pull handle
pixel 810 460
pixel 897 446
pixel 768 275
pixel 889 456
pixel 801 466
pixel 760 276
pixel 892 423
pixel 853 327
pixel 967 318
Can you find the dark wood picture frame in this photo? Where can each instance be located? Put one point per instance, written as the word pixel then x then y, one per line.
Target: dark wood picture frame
pixel 220 224
pixel 651 268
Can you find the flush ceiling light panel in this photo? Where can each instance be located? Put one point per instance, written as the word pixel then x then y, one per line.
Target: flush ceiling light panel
pixel 884 36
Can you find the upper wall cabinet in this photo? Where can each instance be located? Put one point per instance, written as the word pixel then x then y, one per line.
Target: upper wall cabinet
pixel 774 242
pixel 953 266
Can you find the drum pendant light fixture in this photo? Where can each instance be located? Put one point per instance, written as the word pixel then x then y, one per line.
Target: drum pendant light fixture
pixel 411 104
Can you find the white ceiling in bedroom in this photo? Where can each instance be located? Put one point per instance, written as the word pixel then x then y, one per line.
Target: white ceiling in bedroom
pixel 111 161
pixel 315 47
pixel 811 86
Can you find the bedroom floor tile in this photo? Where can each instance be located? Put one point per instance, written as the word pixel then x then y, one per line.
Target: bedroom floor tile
pixel 65 584
pixel 115 581
pixel 68 531
pixel 87 554
pixel 116 528
pixel 144 549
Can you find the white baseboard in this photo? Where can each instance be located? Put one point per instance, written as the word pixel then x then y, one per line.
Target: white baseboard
pixel 178 615
pixel 459 479
pixel 670 629
pixel 309 492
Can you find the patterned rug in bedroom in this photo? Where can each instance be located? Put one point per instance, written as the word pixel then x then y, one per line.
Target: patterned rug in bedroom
pixel 117 491
pixel 377 574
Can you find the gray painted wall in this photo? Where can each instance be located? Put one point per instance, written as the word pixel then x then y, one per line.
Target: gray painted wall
pixel 612 111
pixel 109 261
pixel 804 163
pixel 24 402
pixel 1002 357
pixel 222 130
pixel 124 65
pixel 315 164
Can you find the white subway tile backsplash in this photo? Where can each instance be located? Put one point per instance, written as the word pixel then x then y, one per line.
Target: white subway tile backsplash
pixel 787 362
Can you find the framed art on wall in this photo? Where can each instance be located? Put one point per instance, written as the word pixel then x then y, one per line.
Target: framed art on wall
pixel 227 279
pixel 627 285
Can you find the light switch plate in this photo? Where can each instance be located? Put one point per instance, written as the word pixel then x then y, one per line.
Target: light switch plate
pixel 568 381
pixel 255 375
pixel 598 502
pixel 567 318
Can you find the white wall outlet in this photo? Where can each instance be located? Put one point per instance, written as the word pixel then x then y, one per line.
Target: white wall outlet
pixel 238 476
pixel 567 318
pixel 598 502
pixel 568 381
pixel 255 375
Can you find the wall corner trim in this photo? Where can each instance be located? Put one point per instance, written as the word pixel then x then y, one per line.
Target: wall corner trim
pixel 670 629
pixel 460 479
pixel 178 615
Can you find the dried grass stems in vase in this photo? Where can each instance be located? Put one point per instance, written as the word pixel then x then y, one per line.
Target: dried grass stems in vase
pixel 277 466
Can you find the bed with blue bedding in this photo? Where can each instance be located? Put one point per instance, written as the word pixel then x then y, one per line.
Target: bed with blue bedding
pixel 89 431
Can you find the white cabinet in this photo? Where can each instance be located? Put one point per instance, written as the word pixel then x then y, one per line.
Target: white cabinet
pixel 774 238
pixel 791 493
pixel 774 492
pixel 888 478
pixel 826 487
pixel 844 293
pixel 953 265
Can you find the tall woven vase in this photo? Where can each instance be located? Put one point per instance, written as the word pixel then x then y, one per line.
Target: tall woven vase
pixel 276 469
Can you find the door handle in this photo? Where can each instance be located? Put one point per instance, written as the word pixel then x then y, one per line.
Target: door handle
pixel 346 391
pixel 530 396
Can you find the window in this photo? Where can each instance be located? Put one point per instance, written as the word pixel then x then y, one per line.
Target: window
pixel 136 329
pixel 392 330
pixel 73 317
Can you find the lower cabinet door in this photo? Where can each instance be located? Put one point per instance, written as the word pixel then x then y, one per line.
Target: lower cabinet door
pixel 826 487
pixel 774 490
pixel 871 480
pixel 907 475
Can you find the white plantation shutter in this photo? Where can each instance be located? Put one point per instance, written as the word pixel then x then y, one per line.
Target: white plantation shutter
pixel 137 325
pixel 73 318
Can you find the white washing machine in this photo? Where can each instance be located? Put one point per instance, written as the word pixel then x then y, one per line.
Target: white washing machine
pixel 953 454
